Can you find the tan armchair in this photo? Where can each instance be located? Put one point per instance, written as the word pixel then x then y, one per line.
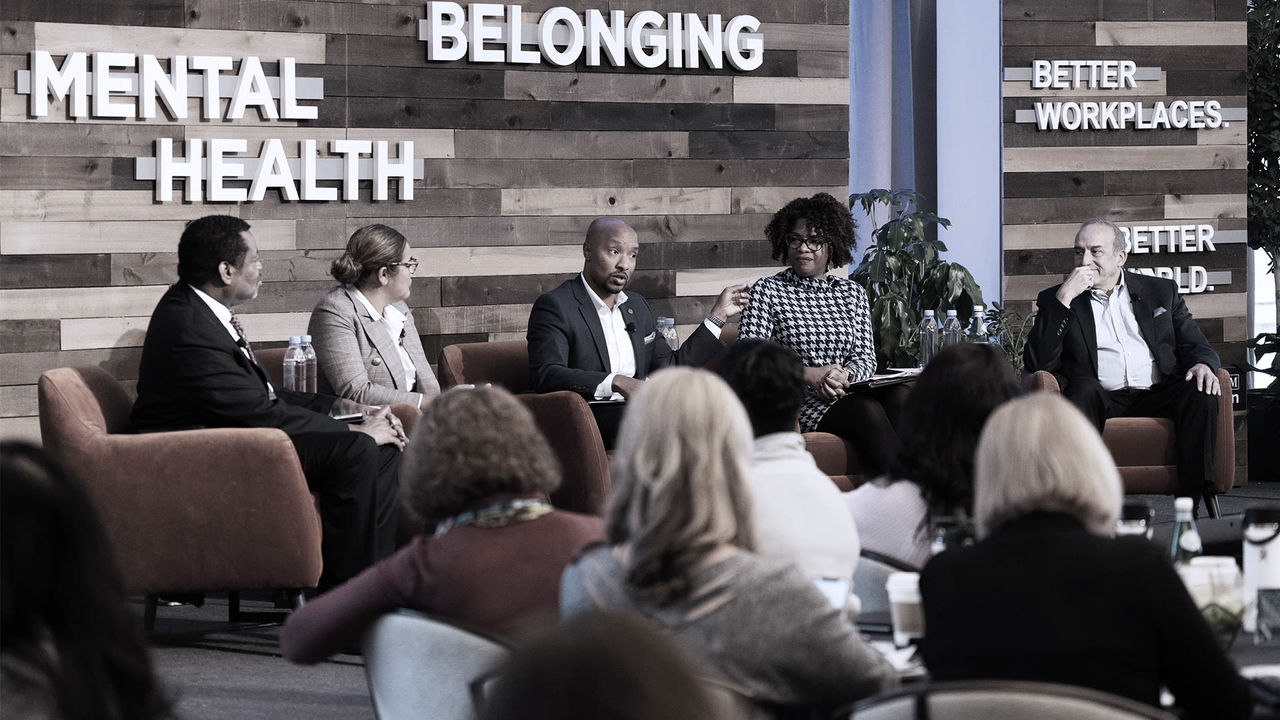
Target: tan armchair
pixel 1143 447
pixel 186 511
pixel 563 417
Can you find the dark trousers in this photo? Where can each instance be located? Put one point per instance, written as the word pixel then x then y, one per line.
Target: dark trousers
pixel 358 487
pixel 869 419
pixel 608 417
pixel 1194 415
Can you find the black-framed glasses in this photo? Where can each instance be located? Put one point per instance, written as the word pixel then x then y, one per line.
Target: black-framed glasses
pixel 411 264
pixel 813 242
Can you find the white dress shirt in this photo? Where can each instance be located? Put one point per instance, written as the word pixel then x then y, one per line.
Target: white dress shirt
pixel 622 355
pixel 392 320
pixel 1124 359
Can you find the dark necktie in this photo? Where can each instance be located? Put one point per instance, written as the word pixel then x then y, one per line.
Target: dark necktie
pixel 244 343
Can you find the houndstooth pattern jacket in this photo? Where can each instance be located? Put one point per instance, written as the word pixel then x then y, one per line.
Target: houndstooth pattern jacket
pixel 824 320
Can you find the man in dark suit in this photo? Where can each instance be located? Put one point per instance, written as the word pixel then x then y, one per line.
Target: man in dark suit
pixel 1124 344
pixel 592 337
pixel 198 371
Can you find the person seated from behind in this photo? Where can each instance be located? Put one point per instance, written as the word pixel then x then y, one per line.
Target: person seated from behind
pixel 681 552
pixel 601 665
pixel 367 346
pixel 1048 595
pixel 932 478
pixel 69 647
pixel 477 472
pixel 795 507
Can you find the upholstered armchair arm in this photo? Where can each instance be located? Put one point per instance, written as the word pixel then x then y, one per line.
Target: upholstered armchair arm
pixel 201 509
pixel 408 415
pixel 1041 380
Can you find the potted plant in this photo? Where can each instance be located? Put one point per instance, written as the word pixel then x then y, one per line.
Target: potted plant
pixel 1263 134
pixel 904 275
pixel 1009 329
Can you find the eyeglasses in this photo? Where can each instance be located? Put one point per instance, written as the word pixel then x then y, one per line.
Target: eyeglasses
pixel 813 242
pixel 411 264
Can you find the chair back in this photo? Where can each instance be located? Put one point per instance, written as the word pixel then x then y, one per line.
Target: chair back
pixel 272 361
pixel 869 578
pixel 78 404
pixel 418 666
pixel 503 363
pixel 566 421
pixel 1003 700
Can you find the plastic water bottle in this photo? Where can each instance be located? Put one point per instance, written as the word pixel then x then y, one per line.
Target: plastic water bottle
pixel 294 363
pixel 309 356
pixel 1261 560
pixel 952 333
pixel 667 329
pixel 1186 538
pixel 928 337
pixel 978 326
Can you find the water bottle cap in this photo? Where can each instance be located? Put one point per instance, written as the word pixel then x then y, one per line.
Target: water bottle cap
pixel 928 313
pixel 978 308
pixel 295 339
pixel 951 313
pixel 306 338
pixel 1182 504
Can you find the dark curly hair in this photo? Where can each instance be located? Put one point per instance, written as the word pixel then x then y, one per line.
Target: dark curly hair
pixel 208 242
pixel 943 418
pixel 769 380
pixel 827 216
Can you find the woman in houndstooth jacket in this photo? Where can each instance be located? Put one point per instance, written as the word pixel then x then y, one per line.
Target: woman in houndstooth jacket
pixel 826 321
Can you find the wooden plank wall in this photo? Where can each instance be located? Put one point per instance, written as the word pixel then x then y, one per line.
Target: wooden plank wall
pixel 1053 180
pixel 519 159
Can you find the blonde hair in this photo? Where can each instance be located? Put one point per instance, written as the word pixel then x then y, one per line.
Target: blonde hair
pixel 679 480
pixel 1039 453
pixel 471 444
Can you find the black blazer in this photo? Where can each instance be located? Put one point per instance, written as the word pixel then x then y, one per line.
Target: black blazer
pixel 1064 341
pixel 1043 599
pixel 194 375
pixel 567 350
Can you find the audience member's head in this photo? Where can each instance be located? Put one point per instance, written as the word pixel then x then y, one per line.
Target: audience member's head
pixel 679 480
pixel 600 666
pixel 943 417
pixel 1039 454
pixel 469 445
pixel 207 243
pixel 67 640
pixel 769 380
pixel 370 249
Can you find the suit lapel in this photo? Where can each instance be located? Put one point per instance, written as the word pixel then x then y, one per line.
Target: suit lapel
pixel 1082 306
pixel 592 320
pixel 380 339
pixel 218 330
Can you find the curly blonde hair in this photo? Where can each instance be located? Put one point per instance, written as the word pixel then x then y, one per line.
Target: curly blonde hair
pixel 471 444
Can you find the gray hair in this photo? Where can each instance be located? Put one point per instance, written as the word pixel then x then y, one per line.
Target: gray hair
pixel 679 480
pixel 1119 233
pixel 471 444
pixel 1039 453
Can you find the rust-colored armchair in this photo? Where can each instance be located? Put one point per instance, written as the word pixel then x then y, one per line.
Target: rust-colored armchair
pixel 563 417
pixel 1143 447
pixel 186 511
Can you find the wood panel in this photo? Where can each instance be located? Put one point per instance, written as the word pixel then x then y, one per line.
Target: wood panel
pixel 519 159
pixel 1170 33
pixel 1075 159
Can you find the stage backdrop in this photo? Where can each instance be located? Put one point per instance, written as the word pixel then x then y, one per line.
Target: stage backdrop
pixel 513 159
pixel 1134 111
